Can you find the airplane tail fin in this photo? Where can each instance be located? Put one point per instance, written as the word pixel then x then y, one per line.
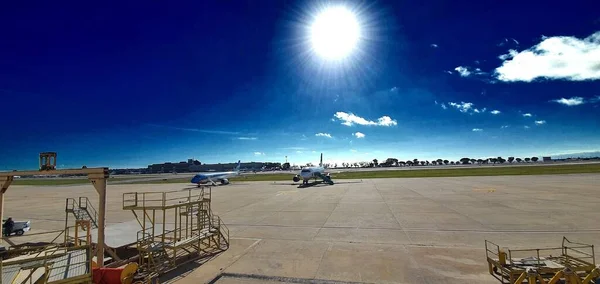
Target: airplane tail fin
pixel 239 164
pixel 321 162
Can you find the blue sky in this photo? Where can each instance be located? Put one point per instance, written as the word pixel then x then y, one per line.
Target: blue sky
pixel 129 84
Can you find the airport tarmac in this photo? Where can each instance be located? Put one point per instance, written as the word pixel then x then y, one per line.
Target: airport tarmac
pixel 409 230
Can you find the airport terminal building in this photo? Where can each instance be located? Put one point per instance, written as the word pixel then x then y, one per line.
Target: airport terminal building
pixel 195 166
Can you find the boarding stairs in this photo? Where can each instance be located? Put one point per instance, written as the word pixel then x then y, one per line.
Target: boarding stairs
pixel 325 178
pixel 82 209
pixel 197 232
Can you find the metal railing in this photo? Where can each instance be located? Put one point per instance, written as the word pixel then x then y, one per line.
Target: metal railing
pixel 70 205
pixel 50 256
pixel 221 227
pixel 488 249
pixel 570 251
pixel 164 199
pixel 85 204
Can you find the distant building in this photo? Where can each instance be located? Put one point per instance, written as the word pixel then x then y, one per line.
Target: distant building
pixel 195 166
pixel 168 167
pixel 547 159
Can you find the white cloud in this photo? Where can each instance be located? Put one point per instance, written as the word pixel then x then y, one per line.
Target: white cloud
pixel 574 101
pixel 359 135
pixel 299 152
pixel 434 45
pixel 463 71
pixel 448 71
pixel 259 154
pixel 558 57
pixel 393 89
pixel 350 119
pixel 504 126
pixel 526 127
pixel 386 121
pixel 462 106
pixel 479 110
pixel 527 115
pixel 468 71
pixel 507 41
pixel 247 138
pixel 444 106
pixel 477 129
pixel 323 135
pixel 495 111
pixel 292 148
pixel 540 122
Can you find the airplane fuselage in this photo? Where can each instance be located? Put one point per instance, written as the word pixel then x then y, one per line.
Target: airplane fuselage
pixel 212 177
pixel 203 178
pixel 311 172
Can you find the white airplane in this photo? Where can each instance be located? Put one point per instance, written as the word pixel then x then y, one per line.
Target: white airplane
pixel 308 173
pixel 213 177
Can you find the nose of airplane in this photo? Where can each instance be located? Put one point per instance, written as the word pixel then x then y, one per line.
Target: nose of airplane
pixel 196 179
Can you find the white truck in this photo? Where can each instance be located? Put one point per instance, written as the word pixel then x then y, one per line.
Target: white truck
pixel 19 228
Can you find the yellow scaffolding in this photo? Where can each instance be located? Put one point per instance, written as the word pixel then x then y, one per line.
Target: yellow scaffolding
pixel 97 177
pixel 570 263
pixel 194 231
pixel 69 261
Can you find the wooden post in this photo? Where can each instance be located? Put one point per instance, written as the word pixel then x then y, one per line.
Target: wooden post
pixel 100 185
pixel 4 184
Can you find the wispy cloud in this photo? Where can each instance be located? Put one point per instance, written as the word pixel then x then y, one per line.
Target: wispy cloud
pixel 595 99
pixel 247 138
pixel 508 41
pixel 444 106
pixel 195 129
pixel 299 152
pixel 259 154
pixel 350 119
pixel 394 89
pixel 462 106
pixel 321 134
pixel 292 148
pixel 448 71
pixel 359 135
pixel 557 57
pixel 479 110
pixel 465 71
pixel 434 45
pixel 540 122
pixel 573 101
pixel 477 130
pixel 495 112
pixel 527 115
pixel 526 127
pixel 353 151
pixel 504 126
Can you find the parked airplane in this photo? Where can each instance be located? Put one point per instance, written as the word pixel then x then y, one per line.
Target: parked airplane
pixel 213 177
pixel 308 173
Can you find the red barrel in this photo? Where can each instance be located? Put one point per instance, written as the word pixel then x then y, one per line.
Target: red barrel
pixel 104 275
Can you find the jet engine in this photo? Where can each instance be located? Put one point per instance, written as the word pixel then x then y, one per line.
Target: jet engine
pixel 296 178
pixel 224 181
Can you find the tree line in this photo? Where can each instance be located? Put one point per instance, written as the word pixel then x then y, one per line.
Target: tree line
pixel 393 162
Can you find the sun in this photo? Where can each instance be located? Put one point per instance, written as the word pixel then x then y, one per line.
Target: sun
pixel 335 33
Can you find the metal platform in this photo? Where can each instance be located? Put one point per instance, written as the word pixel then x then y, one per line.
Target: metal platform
pixel 571 263
pixel 126 233
pixel 56 265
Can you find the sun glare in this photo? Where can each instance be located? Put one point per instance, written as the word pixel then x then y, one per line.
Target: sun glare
pixel 335 33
